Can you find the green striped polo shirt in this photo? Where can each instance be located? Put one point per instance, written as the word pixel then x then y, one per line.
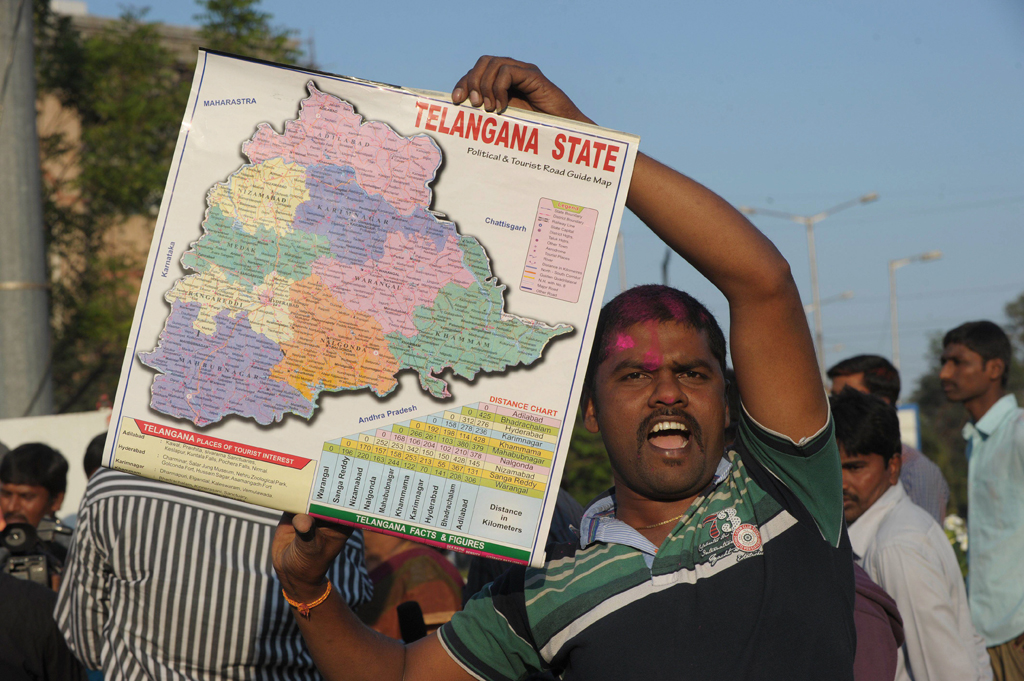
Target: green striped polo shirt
pixel 754 582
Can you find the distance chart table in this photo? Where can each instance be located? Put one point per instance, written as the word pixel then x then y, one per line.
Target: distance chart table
pixel 472 477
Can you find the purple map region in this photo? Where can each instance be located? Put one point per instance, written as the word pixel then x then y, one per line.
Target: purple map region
pixel 205 378
pixel 356 223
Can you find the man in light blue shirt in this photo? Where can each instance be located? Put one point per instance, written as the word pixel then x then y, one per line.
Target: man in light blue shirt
pixel 975 363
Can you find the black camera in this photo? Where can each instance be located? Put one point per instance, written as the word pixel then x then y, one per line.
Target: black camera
pixel 32 553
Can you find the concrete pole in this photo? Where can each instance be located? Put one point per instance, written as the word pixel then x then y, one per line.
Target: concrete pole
pixel 894 318
pixel 819 334
pixel 24 309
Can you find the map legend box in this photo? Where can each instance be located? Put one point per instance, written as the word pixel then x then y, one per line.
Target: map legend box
pixel 559 249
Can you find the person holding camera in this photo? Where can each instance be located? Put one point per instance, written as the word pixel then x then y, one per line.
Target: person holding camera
pixel 32 483
pixel 33 478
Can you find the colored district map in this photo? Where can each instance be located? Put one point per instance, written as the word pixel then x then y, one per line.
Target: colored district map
pixel 321 268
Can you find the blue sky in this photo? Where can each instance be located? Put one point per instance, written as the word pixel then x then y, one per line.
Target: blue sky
pixel 794 106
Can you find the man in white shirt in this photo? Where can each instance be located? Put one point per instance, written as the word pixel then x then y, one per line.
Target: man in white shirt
pixel 902 548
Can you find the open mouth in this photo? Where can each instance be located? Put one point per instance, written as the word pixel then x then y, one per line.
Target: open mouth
pixel 669 435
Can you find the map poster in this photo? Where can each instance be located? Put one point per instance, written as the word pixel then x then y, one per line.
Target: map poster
pixel 366 303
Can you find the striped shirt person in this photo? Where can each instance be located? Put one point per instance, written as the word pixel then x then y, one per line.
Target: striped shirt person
pixel 164 582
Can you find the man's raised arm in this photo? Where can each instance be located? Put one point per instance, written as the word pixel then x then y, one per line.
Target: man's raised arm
pixel 772 354
pixel 342 647
pixel 771 345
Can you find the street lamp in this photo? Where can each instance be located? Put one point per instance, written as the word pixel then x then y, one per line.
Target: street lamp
pixel 845 295
pixel 808 221
pixel 893 266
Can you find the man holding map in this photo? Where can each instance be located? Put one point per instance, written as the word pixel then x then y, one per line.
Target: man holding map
pixel 695 565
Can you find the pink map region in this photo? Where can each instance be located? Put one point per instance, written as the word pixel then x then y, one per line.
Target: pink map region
pixel 410 273
pixel 329 131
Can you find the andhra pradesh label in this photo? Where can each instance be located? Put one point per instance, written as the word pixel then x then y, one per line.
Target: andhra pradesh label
pixel 559 249
pixel 209 464
pixel 469 478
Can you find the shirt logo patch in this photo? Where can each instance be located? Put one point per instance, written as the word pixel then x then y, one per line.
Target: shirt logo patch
pixel 721 527
pixel 746 538
pixel 729 521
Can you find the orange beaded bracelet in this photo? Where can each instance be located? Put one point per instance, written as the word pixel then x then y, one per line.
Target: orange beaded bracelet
pixel 304 608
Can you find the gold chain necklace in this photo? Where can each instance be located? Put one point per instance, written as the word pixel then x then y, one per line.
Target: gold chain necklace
pixel 663 522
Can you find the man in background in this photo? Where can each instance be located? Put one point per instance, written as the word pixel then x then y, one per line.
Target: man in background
pixel 167 582
pixel 93 458
pixel 31 646
pixel 975 368
pixel 33 478
pixel 902 549
pixel 922 479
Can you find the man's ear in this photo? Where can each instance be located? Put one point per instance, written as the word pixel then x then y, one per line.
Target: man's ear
pixel 895 466
pixel 55 502
pixel 728 407
pixel 590 414
pixel 995 368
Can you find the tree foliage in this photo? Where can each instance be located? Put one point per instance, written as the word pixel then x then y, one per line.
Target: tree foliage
pixel 126 93
pixel 587 471
pixel 237 26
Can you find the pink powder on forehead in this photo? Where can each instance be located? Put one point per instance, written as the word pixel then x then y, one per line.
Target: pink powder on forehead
pixel 652 358
pixel 651 361
pixel 623 342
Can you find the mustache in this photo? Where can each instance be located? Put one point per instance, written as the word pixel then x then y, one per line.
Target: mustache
pixel 696 433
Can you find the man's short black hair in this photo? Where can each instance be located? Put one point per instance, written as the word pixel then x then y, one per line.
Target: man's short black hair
pixel 985 338
pixel 865 424
pixel 650 302
pixel 880 376
pixel 35 464
pixel 94 454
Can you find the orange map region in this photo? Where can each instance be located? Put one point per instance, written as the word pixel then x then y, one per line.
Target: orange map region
pixel 333 348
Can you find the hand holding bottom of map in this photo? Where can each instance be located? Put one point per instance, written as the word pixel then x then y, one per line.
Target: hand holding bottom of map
pixel 500 82
pixel 303 550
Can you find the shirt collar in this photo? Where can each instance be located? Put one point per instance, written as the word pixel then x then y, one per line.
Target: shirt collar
pixel 863 530
pixel 600 524
pixel 995 415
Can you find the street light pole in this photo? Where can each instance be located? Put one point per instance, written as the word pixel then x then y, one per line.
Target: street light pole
pixel 893 311
pixel 808 221
pixel 819 332
pixel 845 295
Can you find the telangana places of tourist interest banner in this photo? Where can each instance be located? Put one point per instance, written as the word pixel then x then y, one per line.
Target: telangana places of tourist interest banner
pixel 366 303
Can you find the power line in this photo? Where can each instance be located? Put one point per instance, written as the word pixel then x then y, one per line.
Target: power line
pixel 936 210
pixel 944 293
